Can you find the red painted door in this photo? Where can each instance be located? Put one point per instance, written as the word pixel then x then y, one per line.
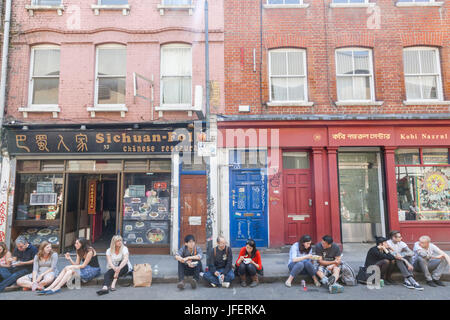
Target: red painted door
pixel 97 222
pixel 298 204
pixel 193 208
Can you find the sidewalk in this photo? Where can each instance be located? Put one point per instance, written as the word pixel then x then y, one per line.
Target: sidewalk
pixel 165 268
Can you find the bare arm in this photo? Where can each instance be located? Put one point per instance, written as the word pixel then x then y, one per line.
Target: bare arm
pixel 89 256
pixel 109 262
pixel 7 259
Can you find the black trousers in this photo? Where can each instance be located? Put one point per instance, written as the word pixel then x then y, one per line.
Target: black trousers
pixel 109 275
pixel 185 270
pixel 247 269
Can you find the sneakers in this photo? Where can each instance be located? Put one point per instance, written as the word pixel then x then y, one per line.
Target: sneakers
pixel 201 274
pixel 324 280
pixel 331 281
pixel 408 284
pixel 225 284
pixel 439 283
pixel 431 283
pixel 180 285
pixel 213 285
pixel 415 284
pixel 288 284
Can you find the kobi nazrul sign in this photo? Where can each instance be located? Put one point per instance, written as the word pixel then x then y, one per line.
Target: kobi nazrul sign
pixel 92 196
pixel 99 141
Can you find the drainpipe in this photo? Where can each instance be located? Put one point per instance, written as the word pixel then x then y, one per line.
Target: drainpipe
pixel 4 69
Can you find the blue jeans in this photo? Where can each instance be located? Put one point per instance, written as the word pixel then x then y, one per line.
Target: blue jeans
pixel 211 278
pixel 10 276
pixel 302 267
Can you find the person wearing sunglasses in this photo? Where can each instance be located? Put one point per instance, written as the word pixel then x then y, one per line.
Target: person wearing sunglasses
pixel 249 264
pixel 403 256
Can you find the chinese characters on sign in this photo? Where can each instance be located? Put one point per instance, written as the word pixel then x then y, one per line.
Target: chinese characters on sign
pixel 92 196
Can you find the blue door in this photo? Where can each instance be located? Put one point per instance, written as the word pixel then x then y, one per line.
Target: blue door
pixel 248 206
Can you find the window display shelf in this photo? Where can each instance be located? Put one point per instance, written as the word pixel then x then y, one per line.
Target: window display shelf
pixel 36 223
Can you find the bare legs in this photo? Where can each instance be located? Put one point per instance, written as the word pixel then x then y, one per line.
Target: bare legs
pixel 65 275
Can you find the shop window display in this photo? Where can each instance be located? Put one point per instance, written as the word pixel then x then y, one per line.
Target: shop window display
pixel 424 191
pixel 146 208
pixel 39 205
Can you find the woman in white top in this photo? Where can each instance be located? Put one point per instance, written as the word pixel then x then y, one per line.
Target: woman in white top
pixel 117 264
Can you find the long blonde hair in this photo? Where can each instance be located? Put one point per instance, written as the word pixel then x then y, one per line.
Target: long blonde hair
pixel 113 244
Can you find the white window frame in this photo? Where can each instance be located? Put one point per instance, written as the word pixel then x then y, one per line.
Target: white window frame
pixel 301 4
pixel 349 4
pixel 415 3
pixel 304 102
pixel 162 6
pixel 121 107
pixel 125 8
pixel 39 7
pixel 54 108
pixel 178 106
pixel 440 94
pixel 371 75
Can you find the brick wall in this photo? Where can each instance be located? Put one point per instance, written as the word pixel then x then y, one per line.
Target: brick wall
pixel 78 31
pixel 321 29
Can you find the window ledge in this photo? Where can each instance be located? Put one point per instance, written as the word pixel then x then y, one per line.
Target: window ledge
pixel 32 8
pixel 43 108
pixel 426 103
pixel 419 4
pixel 176 107
pixel 290 104
pixel 119 108
pixel 358 103
pixel 188 7
pixel 352 5
pixel 124 7
pixel 285 6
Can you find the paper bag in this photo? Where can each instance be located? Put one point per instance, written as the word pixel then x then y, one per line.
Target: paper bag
pixel 142 275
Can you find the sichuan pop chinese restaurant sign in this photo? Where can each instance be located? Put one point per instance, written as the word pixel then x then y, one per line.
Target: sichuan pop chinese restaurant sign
pixel 95 141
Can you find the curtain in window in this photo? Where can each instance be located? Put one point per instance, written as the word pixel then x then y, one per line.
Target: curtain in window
pixel 176 75
pixel 344 62
pixel 287 73
pixel 112 62
pixel 47 2
pixel 46 62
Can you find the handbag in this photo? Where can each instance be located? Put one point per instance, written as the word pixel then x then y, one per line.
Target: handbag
pixel 142 275
pixel 362 275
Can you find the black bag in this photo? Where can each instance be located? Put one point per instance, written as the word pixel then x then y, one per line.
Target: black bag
pixel 362 275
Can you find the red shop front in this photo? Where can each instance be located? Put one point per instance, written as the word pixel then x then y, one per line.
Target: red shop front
pixel 351 179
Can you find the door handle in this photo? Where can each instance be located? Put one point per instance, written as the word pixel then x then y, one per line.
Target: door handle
pixel 233 202
pixel 310 202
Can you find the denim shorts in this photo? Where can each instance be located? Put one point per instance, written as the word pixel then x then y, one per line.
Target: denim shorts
pixel 88 273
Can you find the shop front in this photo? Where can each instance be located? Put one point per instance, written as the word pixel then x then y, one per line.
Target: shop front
pixel 353 180
pixel 97 183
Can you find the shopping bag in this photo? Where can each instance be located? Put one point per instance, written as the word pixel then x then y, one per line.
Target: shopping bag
pixel 142 275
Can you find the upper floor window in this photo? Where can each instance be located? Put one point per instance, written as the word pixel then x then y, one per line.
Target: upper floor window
pixel 287 75
pixel 176 74
pixel 176 2
pixel 113 2
pixel 44 75
pixel 284 1
pixel 350 1
pixel 418 1
pixel 354 74
pixel 110 75
pixel 422 73
pixel 46 2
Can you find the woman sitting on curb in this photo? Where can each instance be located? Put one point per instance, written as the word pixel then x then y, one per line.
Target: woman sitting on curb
pixel 86 266
pixel 118 264
pixel 300 262
pixel 249 264
pixel 44 269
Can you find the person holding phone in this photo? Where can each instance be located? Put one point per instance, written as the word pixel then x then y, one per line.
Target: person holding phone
pixel 249 264
pixel 300 260
pixel 220 272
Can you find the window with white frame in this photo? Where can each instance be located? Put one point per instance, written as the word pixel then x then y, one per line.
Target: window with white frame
pixel 110 79
pixel 422 73
pixel 287 75
pixel 46 2
pixel 44 75
pixel 350 1
pixel 176 74
pixel 415 1
pixel 112 2
pixel 354 74
pixel 284 1
pixel 176 2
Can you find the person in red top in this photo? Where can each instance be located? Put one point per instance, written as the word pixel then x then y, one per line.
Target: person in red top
pixel 249 263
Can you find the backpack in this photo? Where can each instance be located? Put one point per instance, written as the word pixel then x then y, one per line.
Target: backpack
pixel 348 276
pixel 362 275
